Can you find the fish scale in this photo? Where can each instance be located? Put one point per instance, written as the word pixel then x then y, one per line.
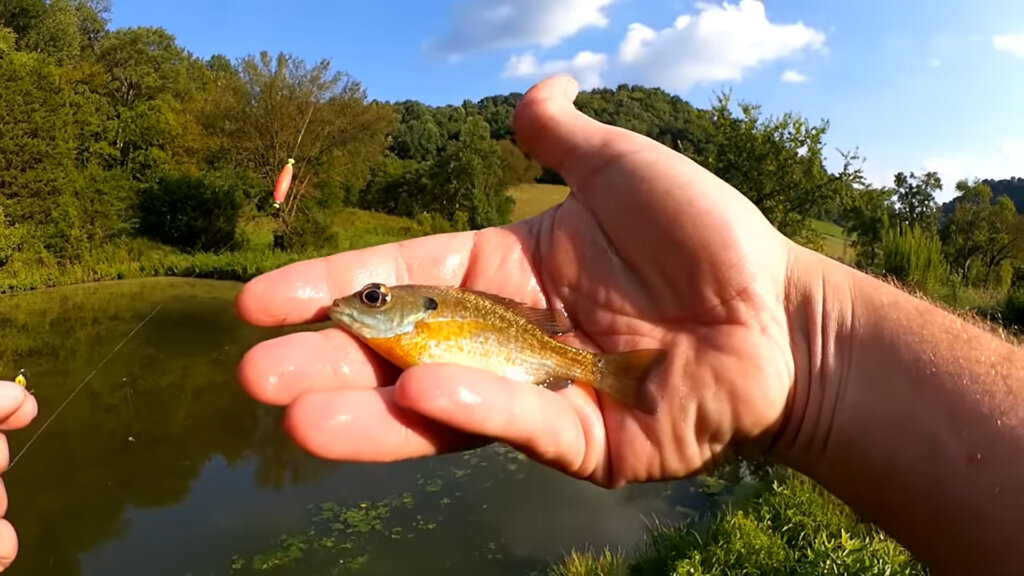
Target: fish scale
pixel 414 324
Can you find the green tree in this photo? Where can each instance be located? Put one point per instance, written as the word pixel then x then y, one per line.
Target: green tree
pixel 418 137
pixel 10 240
pixel 56 32
pixel 468 186
pixel 867 215
pixel 977 236
pixel 147 80
pixel 776 162
pixel 8 40
pixel 317 116
pixel 915 197
pixel 515 166
pixel 21 15
pixel 37 137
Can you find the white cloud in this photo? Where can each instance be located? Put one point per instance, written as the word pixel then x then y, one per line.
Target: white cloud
pixel 1003 160
pixel 792 77
pixel 719 43
pixel 586 67
pixel 1010 43
pixel 491 24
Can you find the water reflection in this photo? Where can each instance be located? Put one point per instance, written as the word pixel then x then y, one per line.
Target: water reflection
pixel 162 465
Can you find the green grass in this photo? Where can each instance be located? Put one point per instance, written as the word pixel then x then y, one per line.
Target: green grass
pixel 836 243
pixel 791 527
pixel 532 199
pixel 137 258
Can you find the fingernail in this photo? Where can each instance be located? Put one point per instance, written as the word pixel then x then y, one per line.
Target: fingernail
pixel 572 89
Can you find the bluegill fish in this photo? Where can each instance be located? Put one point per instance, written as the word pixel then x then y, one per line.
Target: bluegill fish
pixel 415 324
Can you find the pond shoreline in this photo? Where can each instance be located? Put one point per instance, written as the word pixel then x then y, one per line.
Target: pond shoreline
pixel 240 266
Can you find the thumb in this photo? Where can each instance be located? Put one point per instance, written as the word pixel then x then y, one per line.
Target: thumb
pixel 17 406
pixel 550 129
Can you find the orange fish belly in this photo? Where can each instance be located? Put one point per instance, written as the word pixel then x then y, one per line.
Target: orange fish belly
pixel 479 344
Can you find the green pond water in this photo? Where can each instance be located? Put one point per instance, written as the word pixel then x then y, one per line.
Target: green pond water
pixel 162 465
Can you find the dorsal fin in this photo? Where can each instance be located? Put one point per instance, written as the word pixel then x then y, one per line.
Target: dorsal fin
pixel 543 318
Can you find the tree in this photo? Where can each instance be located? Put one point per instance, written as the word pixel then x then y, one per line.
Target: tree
pixel 776 162
pixel 56 32
pixel 147 79
pixel 978 233
pixel 418 137
pixel 317 116
pixel 915 197
pixel 21 15
pixel 467 184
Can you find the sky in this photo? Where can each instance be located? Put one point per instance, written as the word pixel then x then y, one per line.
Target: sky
pixel 913 85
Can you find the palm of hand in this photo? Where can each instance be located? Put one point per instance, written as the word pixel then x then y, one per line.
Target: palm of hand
pixel 635 263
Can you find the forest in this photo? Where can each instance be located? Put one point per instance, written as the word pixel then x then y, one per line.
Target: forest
pixel 126 155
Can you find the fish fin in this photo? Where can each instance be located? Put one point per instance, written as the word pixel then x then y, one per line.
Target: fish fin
pixel 623 376
pixel 543 318
pixel 556 384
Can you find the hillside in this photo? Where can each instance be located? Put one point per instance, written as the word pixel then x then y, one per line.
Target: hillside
pixel 1012 188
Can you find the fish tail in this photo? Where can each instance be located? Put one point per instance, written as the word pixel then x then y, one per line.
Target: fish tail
pixel 623 376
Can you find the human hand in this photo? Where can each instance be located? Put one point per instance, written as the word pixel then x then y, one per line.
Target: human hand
pixel 17 409
pixel 648 251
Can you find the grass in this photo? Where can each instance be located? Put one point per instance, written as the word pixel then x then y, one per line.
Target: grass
pixel 836 244
pixel 138 258
pixel 791 527
pixel 532 199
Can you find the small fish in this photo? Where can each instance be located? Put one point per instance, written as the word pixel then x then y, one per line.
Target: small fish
pixel 414 324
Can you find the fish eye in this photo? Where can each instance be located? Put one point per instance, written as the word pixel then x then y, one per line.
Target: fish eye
pixel 375 295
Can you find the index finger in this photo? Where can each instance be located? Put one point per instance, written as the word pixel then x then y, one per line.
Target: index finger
pixel 301 292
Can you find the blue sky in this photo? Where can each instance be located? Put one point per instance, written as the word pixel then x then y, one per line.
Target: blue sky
pixel 914 84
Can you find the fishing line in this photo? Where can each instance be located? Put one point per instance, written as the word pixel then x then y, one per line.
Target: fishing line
pixel 87 378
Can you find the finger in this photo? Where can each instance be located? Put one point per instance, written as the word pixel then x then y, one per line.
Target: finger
pixel 17 406
pixel 3 498
pixel 5 453
pixel 8 544
pixel 367 425
pixel 537 421
pixel 550 129
pixel 279 370
pixel 301 292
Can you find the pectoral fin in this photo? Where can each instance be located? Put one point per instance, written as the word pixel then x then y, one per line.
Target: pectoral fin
pixel 543 318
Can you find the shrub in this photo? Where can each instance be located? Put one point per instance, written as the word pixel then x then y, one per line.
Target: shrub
pixel 914 257
pixel 1013 308
pixel 190 212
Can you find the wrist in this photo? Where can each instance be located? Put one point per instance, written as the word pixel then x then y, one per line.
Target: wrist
pixel 819 305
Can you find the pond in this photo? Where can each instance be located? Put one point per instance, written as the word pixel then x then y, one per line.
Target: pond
pixel 162 465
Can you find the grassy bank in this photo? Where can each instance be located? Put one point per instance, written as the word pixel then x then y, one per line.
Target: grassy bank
pixel 137 258
pixel 792 527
